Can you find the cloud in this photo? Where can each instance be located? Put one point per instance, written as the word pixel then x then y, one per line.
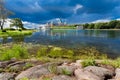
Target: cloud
pixel 28 25
pixel 40 11
pixel 101 20
pixel 78 6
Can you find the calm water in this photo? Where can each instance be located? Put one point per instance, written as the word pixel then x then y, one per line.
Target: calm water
pixel 107 41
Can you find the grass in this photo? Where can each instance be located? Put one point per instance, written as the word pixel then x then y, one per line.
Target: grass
pixel 115 63
pixel 15 51
pixel 55 54
pixel 47 54
pixel 15 33
pixel 88 62
pixel 63 27
pixel 50 53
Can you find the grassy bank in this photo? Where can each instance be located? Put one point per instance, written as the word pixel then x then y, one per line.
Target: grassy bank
pixel 55 54
pixel 25 51
pixel 15 33
pixel 63 27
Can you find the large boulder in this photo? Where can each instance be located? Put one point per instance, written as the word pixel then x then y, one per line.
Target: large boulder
pixel 63 77
pixel 6 76
pixel 117 71
pixel 66 69
pixel 35 72
pixel 80 74
pixel 101 72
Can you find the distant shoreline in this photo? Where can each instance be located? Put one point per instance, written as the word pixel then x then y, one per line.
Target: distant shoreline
pixel 102 29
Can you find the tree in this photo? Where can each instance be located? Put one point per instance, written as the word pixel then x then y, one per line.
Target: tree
pixel 4 13
pixel 86 26
pixel 17 23
pixel 113 23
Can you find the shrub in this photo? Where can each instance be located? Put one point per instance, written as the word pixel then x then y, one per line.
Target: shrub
pixel 17 51
pixel 66 72
pixel 55 53
pixel 4 31
pixel 88 62
pixel 53 68
pixel 42 52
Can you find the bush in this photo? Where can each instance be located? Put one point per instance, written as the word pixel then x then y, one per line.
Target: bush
pixel 17 51
pixel 4 31
pixel 89 62
pixel 20 30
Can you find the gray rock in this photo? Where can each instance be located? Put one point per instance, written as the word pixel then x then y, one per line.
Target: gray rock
pixel 66 69
pixel 4 64
pixel 63 77
pixel 99 71
pixel 80 74
pixel 6 76
pixel 35 72
pixel 117 76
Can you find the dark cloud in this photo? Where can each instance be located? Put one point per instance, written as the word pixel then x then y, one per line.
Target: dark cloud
pixel 40 11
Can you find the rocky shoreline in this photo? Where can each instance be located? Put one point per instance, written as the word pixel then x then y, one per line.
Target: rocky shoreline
pixel 36 70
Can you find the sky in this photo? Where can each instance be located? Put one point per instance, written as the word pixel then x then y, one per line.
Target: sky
pixel 73 11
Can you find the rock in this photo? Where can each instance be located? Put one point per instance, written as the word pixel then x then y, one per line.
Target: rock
pixel 66 69
pixel 101 72
pixel 35 72
pixel 63 77
pixel 77 65
pixel 107 67
pixel 4 64
pixel 17 63
pixel 117 76
pixel 6 76
pixel 80 74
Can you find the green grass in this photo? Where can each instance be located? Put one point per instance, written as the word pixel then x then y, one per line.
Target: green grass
pixel 63 27
pixel 15 33
pixel 88 62
pixel 115 63
pixel 55 54
pixel 15 51
pixel 47 54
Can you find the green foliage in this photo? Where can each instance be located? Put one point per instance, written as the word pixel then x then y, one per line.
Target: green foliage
pixel 18 23
pixel 24 79
pixel 46 79
pixel 88 62
pixel 66 72
pixel 42 52
pixel 114 24
pixel 53 68
pixel 28 65
pixel 15 33
pixel 16 51
pixel 55 53
pixel 115 63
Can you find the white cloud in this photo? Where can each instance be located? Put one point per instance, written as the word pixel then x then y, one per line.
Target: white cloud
pixel 27 25
pixel 30 25
pixel 118 19
pixel 78 6
pixel 101 20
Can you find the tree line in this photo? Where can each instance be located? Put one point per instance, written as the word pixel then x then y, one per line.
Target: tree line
pixel 114 24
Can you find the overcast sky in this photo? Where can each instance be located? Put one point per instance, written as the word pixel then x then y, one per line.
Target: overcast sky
pixel 74 11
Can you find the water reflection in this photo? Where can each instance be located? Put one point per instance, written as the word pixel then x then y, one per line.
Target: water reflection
pixel 107 41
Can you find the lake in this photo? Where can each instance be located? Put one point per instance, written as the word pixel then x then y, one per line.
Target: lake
pixel 106 41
